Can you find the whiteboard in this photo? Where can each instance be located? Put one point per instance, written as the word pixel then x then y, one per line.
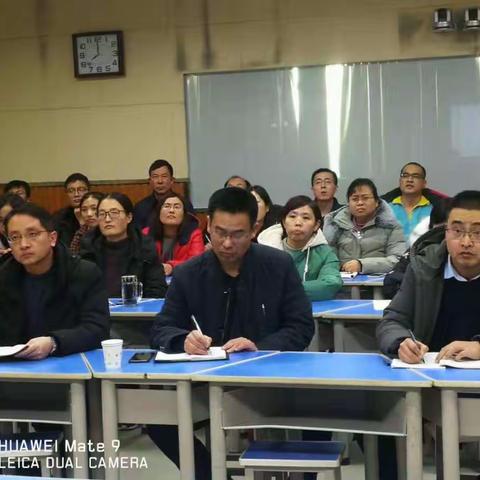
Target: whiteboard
pixel 275 127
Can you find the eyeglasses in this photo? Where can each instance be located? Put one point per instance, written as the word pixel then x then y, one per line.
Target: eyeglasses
pixel 325 182
pixel 77 190
pixel 458 233
pixel 234 236
pixel 414 176
pixel 362 198
pixel 175 206
pixel 16 238
pixel 114 213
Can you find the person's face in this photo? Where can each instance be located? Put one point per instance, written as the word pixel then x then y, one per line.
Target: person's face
pixel 362 203
pixel 324 187
pixel 412 180
pixel 20 191
pixel 262 207
pixel 237 182
pixel 4 211
pixel 172 212
pixel 463 249
pixel 31 244
pixel 75 191
pixel 300 224
pixel 161 181
pixel 231 235
pixel 88 211
pixel 113 220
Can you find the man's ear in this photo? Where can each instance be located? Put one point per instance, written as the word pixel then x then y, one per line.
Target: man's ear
pixel 209 225
pixel 53 238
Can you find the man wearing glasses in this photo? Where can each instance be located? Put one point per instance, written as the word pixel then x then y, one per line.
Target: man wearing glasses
pixel 438 299
pixel 67 220
pixel 324 187
pixel 243 296
pixel 55 303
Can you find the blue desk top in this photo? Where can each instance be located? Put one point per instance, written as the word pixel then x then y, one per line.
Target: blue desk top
pixel 454 377
pixel 311 368
pixel 148 307
pixel 320 308
pixel 61 368
pixel 152 370
pixel 366 280
pixel 365 309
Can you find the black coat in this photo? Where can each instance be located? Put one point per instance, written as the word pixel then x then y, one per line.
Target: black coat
pixel 142 260
pixel 66 224
pixel 76 311
pixel 271 307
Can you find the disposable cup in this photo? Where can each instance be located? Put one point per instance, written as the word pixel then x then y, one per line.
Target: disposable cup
pixel 112 353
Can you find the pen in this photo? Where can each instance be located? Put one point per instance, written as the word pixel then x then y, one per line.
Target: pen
pixel 208 239
pixel 197 326
pixel 412 336
pixel 263 310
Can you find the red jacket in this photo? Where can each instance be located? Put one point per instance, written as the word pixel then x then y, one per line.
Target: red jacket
pixel 181 253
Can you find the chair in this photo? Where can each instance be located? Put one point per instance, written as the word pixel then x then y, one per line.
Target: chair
pixel 292 456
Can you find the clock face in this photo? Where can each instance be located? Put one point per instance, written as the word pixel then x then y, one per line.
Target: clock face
pixel 99 53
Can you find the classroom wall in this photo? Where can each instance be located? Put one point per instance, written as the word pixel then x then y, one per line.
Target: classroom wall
pixel 52 124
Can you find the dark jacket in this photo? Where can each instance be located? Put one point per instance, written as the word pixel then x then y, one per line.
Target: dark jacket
pixel 271 304
pixel 66 224
pixel 76 312
pixel 393 280
pixel 142 260
pixel 146 207
pixel 417 303
pixel 434 197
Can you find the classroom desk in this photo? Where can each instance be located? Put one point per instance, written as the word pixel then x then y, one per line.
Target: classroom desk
pixel 70 370
pixel 146 309
pixel 362 280
pixel 155 406
pixel 347 393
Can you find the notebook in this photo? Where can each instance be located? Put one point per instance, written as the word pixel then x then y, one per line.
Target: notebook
pixel 10 351
pixel 348 274
pixel 214 353
pixel 429 363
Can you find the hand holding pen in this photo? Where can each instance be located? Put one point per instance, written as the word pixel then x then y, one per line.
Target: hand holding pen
pixel 196 343
pixel 412 350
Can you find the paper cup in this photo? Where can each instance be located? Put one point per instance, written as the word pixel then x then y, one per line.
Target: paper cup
pixel 112 353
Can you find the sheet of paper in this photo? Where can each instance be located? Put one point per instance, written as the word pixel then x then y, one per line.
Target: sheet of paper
pixel 348 274
pixel 214 353
pixel 381 304
pixel 429 362
pixel 9 351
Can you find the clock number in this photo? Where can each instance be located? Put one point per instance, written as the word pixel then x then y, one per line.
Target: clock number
pixel 89 40
pixel 83 64
pixel 108 68
pixel 91 68
pixel 99 69
pixel 83 46
pixel 114 62
pixel 113 44
pixel 82 55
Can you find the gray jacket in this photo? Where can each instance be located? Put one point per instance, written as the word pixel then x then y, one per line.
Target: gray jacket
pixel 379 246
pixel 416 305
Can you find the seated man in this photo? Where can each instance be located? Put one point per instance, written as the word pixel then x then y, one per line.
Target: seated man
pixel 438 296
pixel 244 296
pixel 55 303
pixel 18 187
pixel 67 220
pixel 161 181
pixel 324 186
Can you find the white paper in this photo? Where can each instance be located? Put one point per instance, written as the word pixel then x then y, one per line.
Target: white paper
pixel 9 351
pixel 348 274
pixel 214 353
pixel 429 362
pixel 380 304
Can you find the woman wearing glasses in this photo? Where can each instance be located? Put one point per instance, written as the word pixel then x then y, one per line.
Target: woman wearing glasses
pixel 118 248
pixel 365 234
pixel 176 233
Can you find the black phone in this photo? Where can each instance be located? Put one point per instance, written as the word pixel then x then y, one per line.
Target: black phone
pixel 141 357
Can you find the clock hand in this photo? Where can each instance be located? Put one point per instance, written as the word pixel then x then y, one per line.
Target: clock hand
pixel 98 51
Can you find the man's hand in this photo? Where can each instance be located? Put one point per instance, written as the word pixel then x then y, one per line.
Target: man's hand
pixel 240 344
pixel 37 348
pixel 352 266
pixel 460 351
pixel 168 269
pixel 196 343
pixel 411 352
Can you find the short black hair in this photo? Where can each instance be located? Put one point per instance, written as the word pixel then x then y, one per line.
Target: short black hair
pixel 11 199
pixel 159 164
pixel 263 194
pixel 300 201
pixel 417 165
pixel 438 215
pixel 99 196
pixel 76 177
pixel 247 183
pixel 362 182
pixel 324 170
pixel 18 184
pixel 234 200
pixel 32 210
pixel 468 200
pixel 121 198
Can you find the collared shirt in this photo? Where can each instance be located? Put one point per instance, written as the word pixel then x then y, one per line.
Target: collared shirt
pixel 409 220
pixel 450 272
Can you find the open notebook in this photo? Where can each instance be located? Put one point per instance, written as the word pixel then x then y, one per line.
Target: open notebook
pixel 214 353
pixel 429 362
pixel 10 351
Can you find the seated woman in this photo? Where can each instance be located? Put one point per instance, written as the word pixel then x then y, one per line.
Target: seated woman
pixel 88 218
pixel 299 234
pixel 268 213
pixel 119 248
pixel 176 233
pixel 364 234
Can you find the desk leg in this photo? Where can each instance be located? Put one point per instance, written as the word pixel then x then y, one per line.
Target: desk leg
pixel 413 409
pixel 185 430
pixel 370 445
pixel 217 435
pixel 79 426
pixel 338 335
pixel 356 292
pixel 95 422
pixel 377 293
pixel 450 438
pixel 110 425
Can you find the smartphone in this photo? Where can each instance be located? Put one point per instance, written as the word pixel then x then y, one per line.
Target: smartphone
pixel 141 357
